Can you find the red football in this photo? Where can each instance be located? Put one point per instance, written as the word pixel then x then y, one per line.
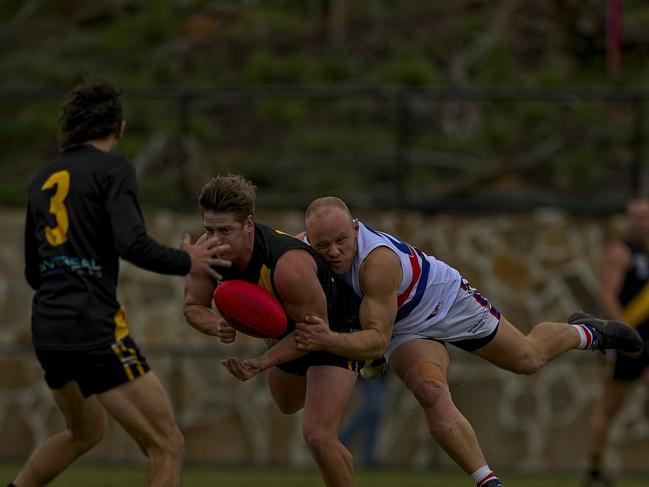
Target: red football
pixel 250 309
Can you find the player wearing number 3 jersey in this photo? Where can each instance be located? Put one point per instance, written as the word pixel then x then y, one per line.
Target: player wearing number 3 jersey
pixel 82 216
pixel 412 304
pixel 73 247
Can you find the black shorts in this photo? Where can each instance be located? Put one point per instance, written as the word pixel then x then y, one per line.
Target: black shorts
pixel 472 345
pixel 629 367
pixel 96 370
pixel 299 366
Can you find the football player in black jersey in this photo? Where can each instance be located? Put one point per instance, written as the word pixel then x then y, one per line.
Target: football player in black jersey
pixel 82 216
pixel 320 382
pixel 624 296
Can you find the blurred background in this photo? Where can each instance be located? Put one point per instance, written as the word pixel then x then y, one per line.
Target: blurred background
pixel 501 136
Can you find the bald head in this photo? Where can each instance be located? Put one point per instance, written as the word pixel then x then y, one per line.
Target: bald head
pixel 332 231
pixel 325 205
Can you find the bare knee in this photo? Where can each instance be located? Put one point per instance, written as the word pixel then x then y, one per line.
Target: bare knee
pixel 170 445
pixel 318 439
pixel 88 436
pixel 427 381
pixel 524 354
pixel 527 364
pixel 179 446
pixel 529 367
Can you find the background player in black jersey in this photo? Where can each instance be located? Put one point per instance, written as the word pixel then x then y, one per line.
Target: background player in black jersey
pixel 624 296
pixel 82 216
pixel 319 382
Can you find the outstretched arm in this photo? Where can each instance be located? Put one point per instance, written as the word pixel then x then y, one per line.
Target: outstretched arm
pixel 380 275
pixel 301 294
pixel 299 289
pixel 134 244
pixel 197 308
pixel 198 311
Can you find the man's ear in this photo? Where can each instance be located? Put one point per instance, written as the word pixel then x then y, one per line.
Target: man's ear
pixel 355 226
pixel 120 130
pixel 250 223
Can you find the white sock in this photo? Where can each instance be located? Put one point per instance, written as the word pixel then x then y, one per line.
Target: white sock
pixel 482 475
pixel 585 337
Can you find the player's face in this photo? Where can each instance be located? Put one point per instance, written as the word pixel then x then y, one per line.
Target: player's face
pixel 332 233
pixel 229 230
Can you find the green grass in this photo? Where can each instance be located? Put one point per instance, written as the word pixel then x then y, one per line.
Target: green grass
pixel 88 476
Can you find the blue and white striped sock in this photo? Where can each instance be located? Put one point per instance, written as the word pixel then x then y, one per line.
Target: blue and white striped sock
pixel 484 475
pixel 587 337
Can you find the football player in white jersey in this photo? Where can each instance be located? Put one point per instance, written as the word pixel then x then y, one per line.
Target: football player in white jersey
pixel 412 304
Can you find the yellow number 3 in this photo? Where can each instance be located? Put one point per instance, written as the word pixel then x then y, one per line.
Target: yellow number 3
pixel 59 234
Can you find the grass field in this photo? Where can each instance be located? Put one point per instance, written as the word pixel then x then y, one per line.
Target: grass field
pixel 256 477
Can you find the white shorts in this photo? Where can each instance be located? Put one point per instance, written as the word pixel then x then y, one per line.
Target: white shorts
pixel 470 324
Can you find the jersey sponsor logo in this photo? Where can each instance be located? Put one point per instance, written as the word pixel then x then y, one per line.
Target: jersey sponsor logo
pixel 478 326
pixel 436 310
pixel 62 264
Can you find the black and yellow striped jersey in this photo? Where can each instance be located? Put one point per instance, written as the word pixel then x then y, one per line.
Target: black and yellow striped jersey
pixel 82 216
pixel 269 245
pixel 634 295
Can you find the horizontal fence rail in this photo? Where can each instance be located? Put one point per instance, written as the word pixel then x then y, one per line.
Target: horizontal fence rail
pixel 503 148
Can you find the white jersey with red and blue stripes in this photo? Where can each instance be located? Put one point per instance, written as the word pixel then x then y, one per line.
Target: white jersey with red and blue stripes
pixel 428 288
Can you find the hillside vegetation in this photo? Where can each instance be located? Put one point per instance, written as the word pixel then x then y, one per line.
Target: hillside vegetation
pixel 384 147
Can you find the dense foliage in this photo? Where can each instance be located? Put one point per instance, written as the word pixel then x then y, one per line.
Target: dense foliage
pixel 298 143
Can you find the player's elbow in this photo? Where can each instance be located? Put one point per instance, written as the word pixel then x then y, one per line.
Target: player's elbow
pixel 191 314
pixel 377 346
pixel 187 313
pixel 129 249
pixel 134 246
pixel 381 346
pixel 195 317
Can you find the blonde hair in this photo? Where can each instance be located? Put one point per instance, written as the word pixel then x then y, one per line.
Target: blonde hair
pixel 229 194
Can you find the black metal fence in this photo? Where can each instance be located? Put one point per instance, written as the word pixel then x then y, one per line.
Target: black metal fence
pixel 474 149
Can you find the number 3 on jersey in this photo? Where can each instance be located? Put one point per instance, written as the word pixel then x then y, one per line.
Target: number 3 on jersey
pixel 59 234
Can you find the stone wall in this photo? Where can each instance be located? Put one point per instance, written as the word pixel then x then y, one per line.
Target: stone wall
pixel 532 267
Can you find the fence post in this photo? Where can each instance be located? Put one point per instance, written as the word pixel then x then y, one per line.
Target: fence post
pixel 404 129
pixel 639 182
pixel 184 109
